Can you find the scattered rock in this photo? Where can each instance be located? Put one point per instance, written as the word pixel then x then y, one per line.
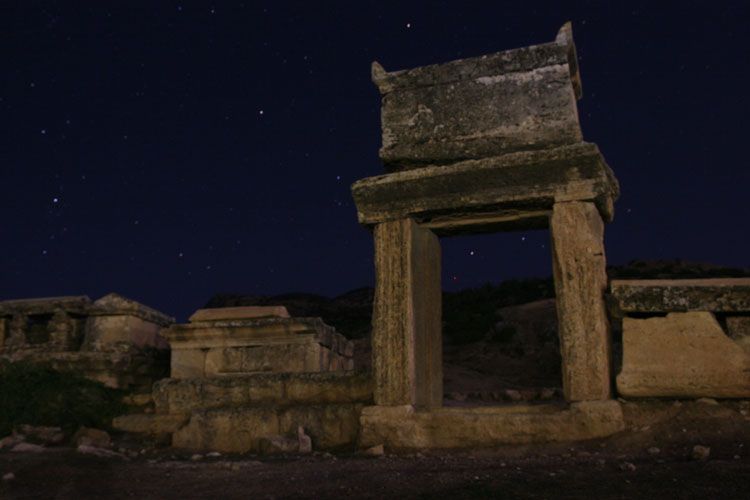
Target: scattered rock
pixel 627 466
pixel 213 454
pixel 99 452
pixel 305 443
pixel 196 457
pixel 375 451
pixel 273 445
pixel 654 450
pixel 547 394
pixel 28 448
pixel 513 395
pixel 8 441
pixel 132 454
pixel 737 457
pixel 707 401
pixel 700 452
pixel 41 434
pixel 96 438
pixel 9 476
pixel 457 396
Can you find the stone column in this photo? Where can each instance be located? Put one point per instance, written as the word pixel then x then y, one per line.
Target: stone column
pixel 578 262
pixel 407 314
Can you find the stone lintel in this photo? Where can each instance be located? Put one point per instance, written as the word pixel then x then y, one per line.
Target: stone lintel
pixel 678 295
pixel 245 312
pixel 519 99
pixel 578 264
pixel 508 188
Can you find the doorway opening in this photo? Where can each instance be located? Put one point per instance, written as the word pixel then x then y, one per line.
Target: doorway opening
pixel 500 339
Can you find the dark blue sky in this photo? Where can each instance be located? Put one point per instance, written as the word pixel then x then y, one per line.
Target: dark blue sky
pixel 171 150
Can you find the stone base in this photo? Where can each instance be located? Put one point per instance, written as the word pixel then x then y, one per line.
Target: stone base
pixel 240 430
pixel 150 424
pixel 682 355
pixel 233 414
pixel 184 396
pixel 404 428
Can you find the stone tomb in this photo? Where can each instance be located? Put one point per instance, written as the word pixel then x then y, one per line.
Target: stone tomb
pixel 243 340
pixel 684 338
pixel 241 376
pixel 484 144
pixel 114 340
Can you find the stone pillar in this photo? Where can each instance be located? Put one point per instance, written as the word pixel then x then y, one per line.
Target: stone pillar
pixel 578 262
pixel 407 314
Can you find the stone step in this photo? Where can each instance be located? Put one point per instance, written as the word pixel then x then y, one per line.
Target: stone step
pixel 150 424
pixel 187 395
pixel 241 429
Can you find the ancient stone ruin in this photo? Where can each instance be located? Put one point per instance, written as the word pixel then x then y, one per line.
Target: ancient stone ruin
pixel 484 144
pixel 237 340
pixel 114 340
pixel 245 378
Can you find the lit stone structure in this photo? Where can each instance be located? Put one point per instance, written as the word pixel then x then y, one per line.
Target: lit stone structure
pixel 485 144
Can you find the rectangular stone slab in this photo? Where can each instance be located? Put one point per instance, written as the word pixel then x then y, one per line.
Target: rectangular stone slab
pixel 647 296
pixel 246 312
pixel 483 106
pixel 685 354
pixel 489 193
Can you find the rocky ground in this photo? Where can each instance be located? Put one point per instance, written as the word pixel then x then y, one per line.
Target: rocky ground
pixel 670 449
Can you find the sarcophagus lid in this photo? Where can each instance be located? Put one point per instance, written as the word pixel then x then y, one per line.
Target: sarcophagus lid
pixel 516 100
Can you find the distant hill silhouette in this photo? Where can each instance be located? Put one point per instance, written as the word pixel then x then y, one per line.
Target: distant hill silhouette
pixel 467 314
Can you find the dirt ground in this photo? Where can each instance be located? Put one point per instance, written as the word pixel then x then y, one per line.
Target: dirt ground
pixel 627 465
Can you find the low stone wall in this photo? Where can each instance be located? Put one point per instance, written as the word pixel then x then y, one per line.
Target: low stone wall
pixel 684 338
pixel 235 413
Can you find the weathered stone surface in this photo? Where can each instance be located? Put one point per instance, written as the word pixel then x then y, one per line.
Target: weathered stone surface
pixel 503 192
pixel 245 312
pixel 265 344
pixel 482 106
pixel 579 264
pixel 407 337
pixel 682 355
pixel 239 430
pixel 105 332
pixel 717 295
pixel 150 424
pixel 403 427
pixel 79 304
pixel 182 396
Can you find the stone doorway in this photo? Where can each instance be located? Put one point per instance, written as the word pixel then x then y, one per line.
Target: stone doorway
pixel 485 144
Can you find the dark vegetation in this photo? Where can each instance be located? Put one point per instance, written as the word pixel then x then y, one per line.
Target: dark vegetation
pixel 468 315
pixel 36 395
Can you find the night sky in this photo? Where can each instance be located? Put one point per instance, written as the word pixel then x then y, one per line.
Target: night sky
pixel 172 150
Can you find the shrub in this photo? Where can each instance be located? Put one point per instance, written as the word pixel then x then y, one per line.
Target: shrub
pixel 37 395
